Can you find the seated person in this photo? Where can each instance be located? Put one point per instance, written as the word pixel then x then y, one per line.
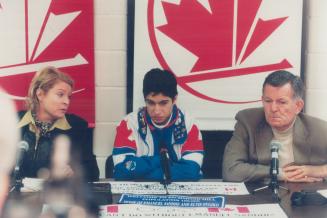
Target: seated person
pixel 159 125
pixel 9 137
pixel 303 139
pixel 48 101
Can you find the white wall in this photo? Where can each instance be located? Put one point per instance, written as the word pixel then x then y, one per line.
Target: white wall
pixel 110 74
pixel 315 52
pixel 110 67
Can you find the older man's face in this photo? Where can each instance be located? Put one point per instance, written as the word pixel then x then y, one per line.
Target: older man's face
pixel 280 106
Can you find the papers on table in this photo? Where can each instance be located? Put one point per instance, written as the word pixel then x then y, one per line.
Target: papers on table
pixel 133 210
pixel 323 192
pixel 32 185
pixel 188 188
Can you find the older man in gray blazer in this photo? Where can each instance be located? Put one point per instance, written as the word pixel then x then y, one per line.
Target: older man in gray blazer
pixel 303 139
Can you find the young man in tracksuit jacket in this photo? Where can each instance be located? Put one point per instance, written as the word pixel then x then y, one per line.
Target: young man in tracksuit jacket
pixel 142 135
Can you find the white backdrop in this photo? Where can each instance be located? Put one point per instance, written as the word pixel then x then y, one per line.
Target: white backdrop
pixel 163 38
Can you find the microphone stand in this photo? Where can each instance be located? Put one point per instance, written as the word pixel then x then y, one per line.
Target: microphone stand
pixel 166 169
pixel 17 180
pixel 165 184
pixel 17 177
pixel 274 186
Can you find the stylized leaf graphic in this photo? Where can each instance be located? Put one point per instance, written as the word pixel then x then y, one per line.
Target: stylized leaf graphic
pixel 245 18
pixel 208 36
pixel 261 32
pixel 121 140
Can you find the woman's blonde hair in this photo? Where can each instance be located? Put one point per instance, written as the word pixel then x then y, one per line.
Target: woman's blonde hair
pixel 45 79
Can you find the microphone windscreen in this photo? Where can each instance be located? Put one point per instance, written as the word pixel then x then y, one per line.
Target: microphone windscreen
pixel 274 144
pixel 23 145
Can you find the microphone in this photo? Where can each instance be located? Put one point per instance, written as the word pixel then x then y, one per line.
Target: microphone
pixel 274 171
pixel 22 150
pixel 164 160
pixel 17 178
pixel 274 165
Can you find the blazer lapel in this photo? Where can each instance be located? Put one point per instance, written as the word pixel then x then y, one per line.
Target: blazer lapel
pixel 301 149
pixel 262 139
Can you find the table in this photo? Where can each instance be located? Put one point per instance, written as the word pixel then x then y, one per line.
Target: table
pixel 264 196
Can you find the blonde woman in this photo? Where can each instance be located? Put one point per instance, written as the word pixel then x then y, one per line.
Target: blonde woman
pixel 48 100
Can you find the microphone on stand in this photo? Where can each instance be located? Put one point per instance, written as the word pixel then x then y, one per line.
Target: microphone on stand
pixel 164 160
pixel 22 150
pixel 274 171
pixel 274 165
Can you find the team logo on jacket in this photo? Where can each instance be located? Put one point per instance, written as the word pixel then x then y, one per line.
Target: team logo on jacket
pixel 221 39
pixel 130 165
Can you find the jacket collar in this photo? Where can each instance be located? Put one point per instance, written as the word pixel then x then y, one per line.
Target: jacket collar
pixel 301 148
pixel 264 135
pixel 177 123
pixel 27 119
pixel 262 139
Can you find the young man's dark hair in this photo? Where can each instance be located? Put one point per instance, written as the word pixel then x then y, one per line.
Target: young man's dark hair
pixel 282 77
pixel 160 81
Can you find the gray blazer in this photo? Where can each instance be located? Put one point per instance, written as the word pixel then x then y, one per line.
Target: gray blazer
pixel 247 155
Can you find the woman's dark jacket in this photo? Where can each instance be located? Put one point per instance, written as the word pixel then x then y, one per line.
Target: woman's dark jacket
pixel 81 148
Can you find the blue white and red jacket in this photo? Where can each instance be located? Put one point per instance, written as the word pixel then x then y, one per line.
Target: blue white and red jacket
pixel 136 152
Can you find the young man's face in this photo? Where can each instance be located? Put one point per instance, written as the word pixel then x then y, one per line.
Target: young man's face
pixel 280 106
pixel 159 107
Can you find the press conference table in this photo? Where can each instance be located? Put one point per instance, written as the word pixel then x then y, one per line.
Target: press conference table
pixel 265 196
pixel 260 197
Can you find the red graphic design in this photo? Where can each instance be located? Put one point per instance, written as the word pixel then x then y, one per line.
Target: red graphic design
pixel 57 33
pixel 209 35
pixel 205 39
pixel 227 209
pixel 243 209
pixel 213 209
pixel 112 209
pixel 122 138
pixel 193 142
pixel 227 189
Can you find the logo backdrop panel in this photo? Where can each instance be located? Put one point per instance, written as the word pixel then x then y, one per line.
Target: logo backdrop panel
pixel 220 51
pixel 38 33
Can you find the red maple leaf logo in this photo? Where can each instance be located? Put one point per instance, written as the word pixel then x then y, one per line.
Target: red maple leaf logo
pixel 122 138
pixel 222 37
pixel 209 35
